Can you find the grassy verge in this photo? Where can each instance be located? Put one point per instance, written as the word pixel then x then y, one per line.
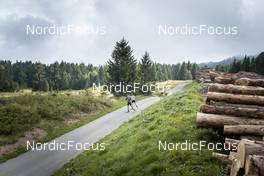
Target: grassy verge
pixel 133 148
pixel 55 125
pixel 58 131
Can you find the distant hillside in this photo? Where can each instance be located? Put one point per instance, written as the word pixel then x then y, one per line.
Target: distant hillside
pixel 223 62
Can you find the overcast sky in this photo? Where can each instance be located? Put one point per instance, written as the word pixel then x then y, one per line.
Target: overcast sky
pixel 137 21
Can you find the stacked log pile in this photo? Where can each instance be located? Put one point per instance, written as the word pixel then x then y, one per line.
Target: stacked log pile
pixel 235 105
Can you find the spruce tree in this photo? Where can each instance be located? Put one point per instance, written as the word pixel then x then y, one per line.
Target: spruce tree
pixel 233 67
pixel 189 65
pixel 145 68
pixel 183 72
pixel 245 66
pixel 194 70
pixel 188 75
pixel 253 65
pixel 154 72
pixel 45 85
pixel 176 70
pixel 101 75
pixel 260 63
pixel 122 66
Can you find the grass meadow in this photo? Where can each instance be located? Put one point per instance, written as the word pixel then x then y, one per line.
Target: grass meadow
pixel 132 150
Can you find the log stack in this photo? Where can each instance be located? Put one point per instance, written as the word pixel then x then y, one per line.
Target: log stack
pixel 229 78
pixel 235 105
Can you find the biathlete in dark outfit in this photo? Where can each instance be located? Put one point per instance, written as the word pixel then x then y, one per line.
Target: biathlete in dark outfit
pixel 134 100
pixel 129 102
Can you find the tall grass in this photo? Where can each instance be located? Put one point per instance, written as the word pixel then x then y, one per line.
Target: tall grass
pixel 21 113
pixel 133 149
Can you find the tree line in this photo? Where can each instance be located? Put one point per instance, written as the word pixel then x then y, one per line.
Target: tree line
pixel 248 64
pixel 122 67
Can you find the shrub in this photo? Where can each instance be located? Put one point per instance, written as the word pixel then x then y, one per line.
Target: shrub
pixel 20 113
pixel 15 117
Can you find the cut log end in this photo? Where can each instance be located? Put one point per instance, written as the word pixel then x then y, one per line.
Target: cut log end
pixel 254 165
pixel 246 148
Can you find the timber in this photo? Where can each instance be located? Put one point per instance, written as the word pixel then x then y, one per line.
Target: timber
pixel 235 104
pixel 235 168
pixel 222 157
pixel 223 80
pixel 250 82
pixel 234 89
pixel 234 109
pixel 246 148
pixel 236 99
pixel 231 144
pixel 254 165
pixel 253 138
pixel 218 121
pixel 255 130
pixel 232 156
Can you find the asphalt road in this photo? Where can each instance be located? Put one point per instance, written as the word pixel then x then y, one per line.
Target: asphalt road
pixel 46 162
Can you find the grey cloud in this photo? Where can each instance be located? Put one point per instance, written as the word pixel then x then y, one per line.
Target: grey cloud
pixel 13 30
pixel 137 21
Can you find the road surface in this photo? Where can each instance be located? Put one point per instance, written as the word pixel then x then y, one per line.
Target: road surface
pixel 46 162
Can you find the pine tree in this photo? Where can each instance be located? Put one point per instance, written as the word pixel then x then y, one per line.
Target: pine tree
pixel 101 75
pixel 245 66
pixel 45 85
pixel 154 72
pixel 238 67
pixel 233 67
pixel 176 69
pixel 93 77
pixel 183 72
pixel 145 68
pixel 260 63
pixel 38 76
pixel 122 66
pixel 194 70
pixel 188 75
pixel 189 65
pixel 253 65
